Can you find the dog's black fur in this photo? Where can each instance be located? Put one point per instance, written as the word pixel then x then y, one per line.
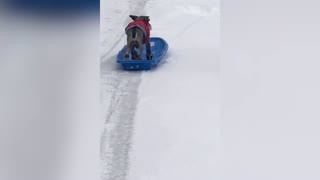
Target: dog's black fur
pixel 136 39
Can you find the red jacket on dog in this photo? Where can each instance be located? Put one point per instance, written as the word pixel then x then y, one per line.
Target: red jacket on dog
pixel 144 24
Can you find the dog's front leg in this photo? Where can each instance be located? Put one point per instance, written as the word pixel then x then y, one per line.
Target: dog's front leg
pixel 149 54
pixel 127 51
pixel 129 44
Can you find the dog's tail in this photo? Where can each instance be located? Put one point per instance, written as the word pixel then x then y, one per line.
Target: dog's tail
pixel 134 33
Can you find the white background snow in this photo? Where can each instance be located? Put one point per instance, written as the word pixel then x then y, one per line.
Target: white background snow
pixel 250 113
pixel 173 127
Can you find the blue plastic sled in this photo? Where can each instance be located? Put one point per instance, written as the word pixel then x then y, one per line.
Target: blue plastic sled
pixel 159 48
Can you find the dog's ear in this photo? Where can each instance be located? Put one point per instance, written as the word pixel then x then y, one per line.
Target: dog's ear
pixel 145 18
pixel 133 17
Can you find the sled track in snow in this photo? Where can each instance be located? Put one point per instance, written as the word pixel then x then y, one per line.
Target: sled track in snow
pixel 119 93
pixel 116 137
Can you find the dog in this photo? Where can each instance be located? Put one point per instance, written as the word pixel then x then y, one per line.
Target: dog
pixel 138 34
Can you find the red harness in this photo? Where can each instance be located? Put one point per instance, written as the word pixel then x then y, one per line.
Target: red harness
pixel 143 24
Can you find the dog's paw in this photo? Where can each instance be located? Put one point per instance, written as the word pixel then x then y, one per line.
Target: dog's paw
pixel 134 55
pixel 149 56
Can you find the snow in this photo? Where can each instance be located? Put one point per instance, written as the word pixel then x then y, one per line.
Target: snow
pixel 177 115
pixel 172 127
pixel 251 113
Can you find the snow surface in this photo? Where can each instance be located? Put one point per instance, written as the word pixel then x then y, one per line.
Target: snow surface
pixel 163 123
pixel 250 114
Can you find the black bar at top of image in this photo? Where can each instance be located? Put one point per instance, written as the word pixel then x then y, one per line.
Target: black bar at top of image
pixel 54 6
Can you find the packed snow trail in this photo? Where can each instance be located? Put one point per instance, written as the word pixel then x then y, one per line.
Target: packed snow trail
pixel 119 90
pixel 167 126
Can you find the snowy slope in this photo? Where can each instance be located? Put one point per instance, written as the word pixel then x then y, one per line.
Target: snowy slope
pixel 176 127
pixel 162 124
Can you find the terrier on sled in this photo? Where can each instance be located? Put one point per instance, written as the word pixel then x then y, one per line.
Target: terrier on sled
pixel 138 34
